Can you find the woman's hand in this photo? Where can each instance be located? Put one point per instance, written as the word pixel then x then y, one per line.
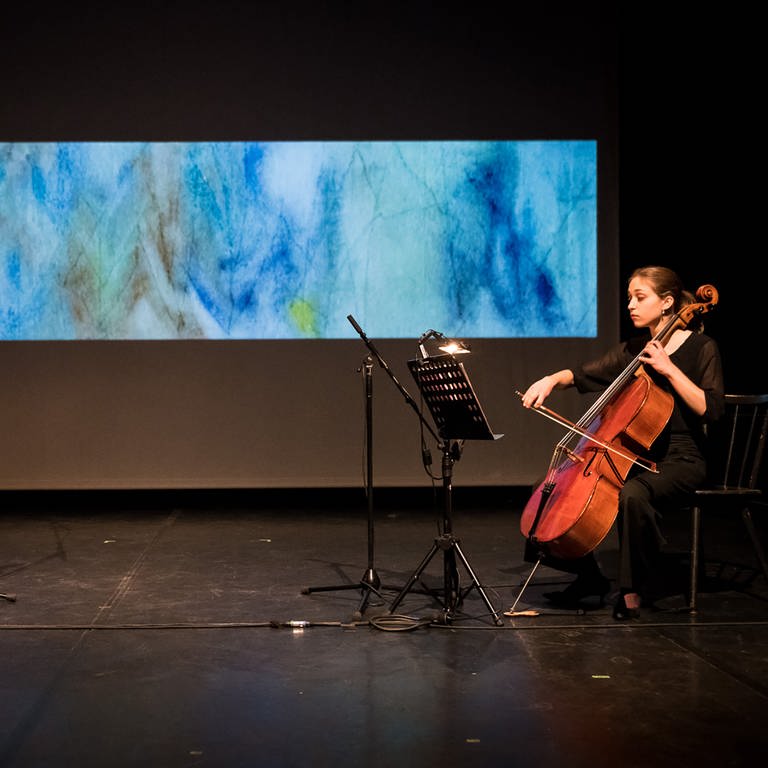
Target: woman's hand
pixel 539 391
pixel 656 356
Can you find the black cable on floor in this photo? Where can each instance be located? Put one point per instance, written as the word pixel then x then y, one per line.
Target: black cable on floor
pixel 398 623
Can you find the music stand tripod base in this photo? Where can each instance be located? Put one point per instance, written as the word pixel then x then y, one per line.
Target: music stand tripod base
pixel 451 400
pixel 453 596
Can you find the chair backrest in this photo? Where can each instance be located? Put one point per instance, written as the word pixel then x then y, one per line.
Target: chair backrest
pixel 737 442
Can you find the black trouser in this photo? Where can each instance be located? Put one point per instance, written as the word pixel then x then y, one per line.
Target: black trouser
pixel 642 499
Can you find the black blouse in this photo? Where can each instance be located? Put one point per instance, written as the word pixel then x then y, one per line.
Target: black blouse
pixel 698 357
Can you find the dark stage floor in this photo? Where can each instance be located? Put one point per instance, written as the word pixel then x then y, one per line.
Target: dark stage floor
pixel 154 629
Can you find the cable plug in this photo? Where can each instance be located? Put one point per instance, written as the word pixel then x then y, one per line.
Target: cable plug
pixel 292 624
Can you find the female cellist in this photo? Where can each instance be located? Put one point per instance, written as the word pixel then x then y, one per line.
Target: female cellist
pixel 688 366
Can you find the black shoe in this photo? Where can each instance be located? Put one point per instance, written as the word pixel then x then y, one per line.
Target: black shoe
pixel 580 589
pixel 622 613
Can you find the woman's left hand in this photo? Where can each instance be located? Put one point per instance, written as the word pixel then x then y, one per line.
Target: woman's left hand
pixel 656 356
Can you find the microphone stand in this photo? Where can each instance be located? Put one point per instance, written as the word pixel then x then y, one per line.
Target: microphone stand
pixel 370 581
pixel 370 578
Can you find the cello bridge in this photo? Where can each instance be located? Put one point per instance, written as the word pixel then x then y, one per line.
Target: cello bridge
pixel 574 457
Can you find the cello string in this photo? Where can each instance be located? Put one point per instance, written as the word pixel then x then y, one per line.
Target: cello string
pixel 631 369
pixel 681 319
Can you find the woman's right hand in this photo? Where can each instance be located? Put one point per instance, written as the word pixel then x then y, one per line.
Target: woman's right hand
pixel 538 392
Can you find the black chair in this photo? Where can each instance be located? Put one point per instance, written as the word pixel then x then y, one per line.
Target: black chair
pixel 736 445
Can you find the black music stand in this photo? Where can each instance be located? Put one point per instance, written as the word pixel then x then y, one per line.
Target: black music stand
pixel 458 415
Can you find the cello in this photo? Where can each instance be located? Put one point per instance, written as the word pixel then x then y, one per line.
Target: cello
pixel 573 509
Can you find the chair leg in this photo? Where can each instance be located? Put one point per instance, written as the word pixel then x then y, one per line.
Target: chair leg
pixel 746 516
pixel 694 576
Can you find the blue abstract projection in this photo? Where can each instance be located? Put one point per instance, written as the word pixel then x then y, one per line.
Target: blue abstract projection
pixel 284 240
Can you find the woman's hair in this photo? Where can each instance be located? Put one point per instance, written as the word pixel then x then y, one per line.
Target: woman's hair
pixel 666 283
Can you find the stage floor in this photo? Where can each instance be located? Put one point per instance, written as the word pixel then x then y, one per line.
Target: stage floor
pixel 238 629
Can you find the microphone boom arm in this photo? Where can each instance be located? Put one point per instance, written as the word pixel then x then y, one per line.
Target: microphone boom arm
pixel 403 390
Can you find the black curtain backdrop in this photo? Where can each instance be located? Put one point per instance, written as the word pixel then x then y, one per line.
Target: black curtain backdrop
pixel 688 82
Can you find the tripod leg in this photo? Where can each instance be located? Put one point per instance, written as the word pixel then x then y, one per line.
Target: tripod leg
pixel 414 578
pixel 340 587
pixel 370 583
pixel 366 596
pixel 477 584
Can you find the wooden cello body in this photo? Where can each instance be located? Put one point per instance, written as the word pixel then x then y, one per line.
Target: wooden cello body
pixel 572 511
